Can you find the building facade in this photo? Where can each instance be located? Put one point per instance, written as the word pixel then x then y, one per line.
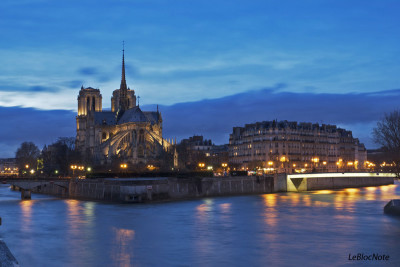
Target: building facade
pixel 8 167
pixel 199 153
pixel 126 132
pixel 295 147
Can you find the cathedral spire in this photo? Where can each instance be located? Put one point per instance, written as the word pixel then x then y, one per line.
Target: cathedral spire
pixel 123 89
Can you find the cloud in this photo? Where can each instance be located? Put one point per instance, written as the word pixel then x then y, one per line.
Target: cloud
pixel 27 88
pixel 28 124
pixel 73 84
pixel 39 88
pixel 88 71
pixel 215 118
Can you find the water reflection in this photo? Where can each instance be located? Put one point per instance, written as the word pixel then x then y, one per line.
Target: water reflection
pixel 26 209
pixel 122 252
pixel 204 210
pixel 270 213
pixel 74 215
pixel 323 192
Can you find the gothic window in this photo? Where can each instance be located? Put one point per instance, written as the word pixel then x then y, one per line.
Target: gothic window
pixel 134 138
pixel 88 103
pixel 140 152
pixel 93 103
pixel 104 136
pixel 141 136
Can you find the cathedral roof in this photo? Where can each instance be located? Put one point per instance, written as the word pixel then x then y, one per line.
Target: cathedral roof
pixel 104 118
pixel 152 116
pixel 133 115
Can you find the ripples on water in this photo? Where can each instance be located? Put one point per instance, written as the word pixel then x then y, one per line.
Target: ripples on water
pixel 316 228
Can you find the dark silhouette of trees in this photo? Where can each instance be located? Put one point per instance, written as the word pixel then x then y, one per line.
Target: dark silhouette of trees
pixel 26 157
pixel 387 134
pixel 59 156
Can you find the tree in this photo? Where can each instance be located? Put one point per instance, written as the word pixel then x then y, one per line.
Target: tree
pixel 26 156
pixel 58 157
pixel 387 134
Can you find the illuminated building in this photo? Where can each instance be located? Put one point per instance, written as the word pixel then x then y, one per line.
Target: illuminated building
pixel 295 147
pixel 8 166
pixel 125 132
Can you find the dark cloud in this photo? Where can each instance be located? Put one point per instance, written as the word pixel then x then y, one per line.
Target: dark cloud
pixel 28 124
pixel 35 88
pixel 96 73
pixel 132 70
pixel 88 71
pixel 39 88
pixel 74 84
pixel 214 118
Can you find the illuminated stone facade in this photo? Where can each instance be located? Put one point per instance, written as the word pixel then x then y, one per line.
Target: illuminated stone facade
pixel 125 132
pixel 8 167
pixel 295 147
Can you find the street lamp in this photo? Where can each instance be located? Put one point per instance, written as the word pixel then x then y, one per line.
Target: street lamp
pixel 124 166
pixel 73 167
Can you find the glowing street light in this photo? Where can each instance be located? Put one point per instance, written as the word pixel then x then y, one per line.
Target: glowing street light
pixel 315 160
pixel 124 166
pixel 73 167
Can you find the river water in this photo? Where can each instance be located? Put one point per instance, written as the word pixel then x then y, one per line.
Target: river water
pixel 284 229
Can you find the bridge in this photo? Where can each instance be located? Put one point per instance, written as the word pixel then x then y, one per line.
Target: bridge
pixel 26 185
pixel 333 180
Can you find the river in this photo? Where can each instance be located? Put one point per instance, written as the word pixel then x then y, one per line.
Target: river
pixel 283 229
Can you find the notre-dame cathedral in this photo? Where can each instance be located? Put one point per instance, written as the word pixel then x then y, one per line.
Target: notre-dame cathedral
pixel 125 132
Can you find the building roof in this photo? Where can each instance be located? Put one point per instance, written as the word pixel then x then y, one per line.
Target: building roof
pixel 104 118
pixel 134 114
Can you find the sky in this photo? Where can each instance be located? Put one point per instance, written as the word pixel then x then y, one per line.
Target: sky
pixel 210 65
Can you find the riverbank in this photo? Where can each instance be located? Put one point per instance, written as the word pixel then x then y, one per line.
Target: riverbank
pixel 7 259
pixel 158 189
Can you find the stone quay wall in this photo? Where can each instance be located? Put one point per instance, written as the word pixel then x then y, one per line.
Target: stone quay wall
pixel 160 189
pixel 157 189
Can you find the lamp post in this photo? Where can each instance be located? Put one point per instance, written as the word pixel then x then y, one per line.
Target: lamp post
pixel 224 165
pixel 73 167
pixel 123 167
pixel 202 165
pixel 314 161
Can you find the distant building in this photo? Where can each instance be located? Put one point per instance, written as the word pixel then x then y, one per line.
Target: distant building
pixel 8 166
pixel 295 147
pixel 197 143
pixel 125 132
pixel 195 150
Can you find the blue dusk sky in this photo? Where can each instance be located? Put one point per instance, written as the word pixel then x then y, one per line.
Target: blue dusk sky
pixel 210 65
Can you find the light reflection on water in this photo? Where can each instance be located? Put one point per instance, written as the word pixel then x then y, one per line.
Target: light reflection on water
pixel 319 227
